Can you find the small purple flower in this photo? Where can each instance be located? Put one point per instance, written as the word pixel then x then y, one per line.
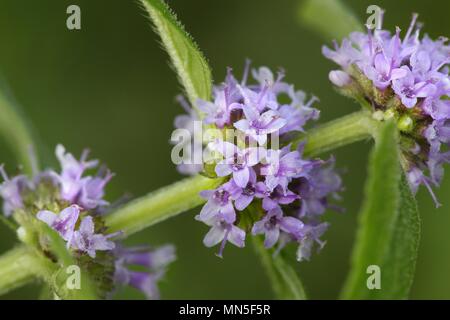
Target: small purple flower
pixel 63 223
pixel 312 234
pixel 344 55
pixel 409 90
pixel 72 172
pixel 283 165
pixel 237 162
pixel 243 196
pixel 437 109
pixel 416 178
pixel 147 257
pixel 315 190
pixel 382 72
pixel 155 261
pixel 258 126
pixel 222 230
pixel 219 201
pixel 218 112
pixel 93 191
pixel 274 222
pixel 86 240
pixel 146 282
pixel 278 196
pixel 84 191
pixel 11 192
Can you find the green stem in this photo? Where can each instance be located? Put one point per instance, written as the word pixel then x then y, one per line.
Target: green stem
pixel 284 279
pixel 340 132
pixel 182 196
pixel 16 133
pixel 17 267
pixel 160 205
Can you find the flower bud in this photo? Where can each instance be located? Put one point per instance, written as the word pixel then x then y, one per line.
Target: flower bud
pixel 339 78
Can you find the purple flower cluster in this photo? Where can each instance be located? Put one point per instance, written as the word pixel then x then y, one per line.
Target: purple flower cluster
pixel 79 203
pixel 408 78
pixel 268 189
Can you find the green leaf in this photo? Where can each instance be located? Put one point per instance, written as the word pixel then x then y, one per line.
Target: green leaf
pixel 331 18
pixel 400 262
pixel 388 226
pixel 16 132
pixel 190 64
pixel 284 279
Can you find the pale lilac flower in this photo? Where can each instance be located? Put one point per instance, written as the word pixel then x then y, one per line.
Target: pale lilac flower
pixel 410 91
pixel 237 162
pixel 150 258
pixel 86 240
pixel 437 109
pixel 278 196
pixel 257 125
pixel 274 222
pixel 63 223
pixel 283 165
pixel 222 230
pixel 218 112
pixel 385 67
pixel 146 282
pixel 416 178
pixel 243 196
pixel 155 262
pixel 344 55
pixel 86 191
pixel 315 190
pixel 219 201
pixel 11 192
pixel 312 234
pixel 72 172
pixel 93 191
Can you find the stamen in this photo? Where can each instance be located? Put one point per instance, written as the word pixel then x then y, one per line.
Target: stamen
pixel 427 185
pixel 369 35
pixel 183 102
pixel 411 27
pixel 33 160
pixel 311 101
pixel 3 172
pixel 394 50
pixel 248 62
pixel 84 155
pixel 222 245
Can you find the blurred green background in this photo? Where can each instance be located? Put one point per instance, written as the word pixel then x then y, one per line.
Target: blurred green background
pixel 109 87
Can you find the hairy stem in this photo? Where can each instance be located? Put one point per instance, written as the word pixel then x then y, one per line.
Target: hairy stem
pixel 340 132
pixel 160 205
pixel 17 267
pixel 183 195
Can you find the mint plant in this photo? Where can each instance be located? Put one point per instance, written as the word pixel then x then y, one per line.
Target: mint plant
pixel 255 169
